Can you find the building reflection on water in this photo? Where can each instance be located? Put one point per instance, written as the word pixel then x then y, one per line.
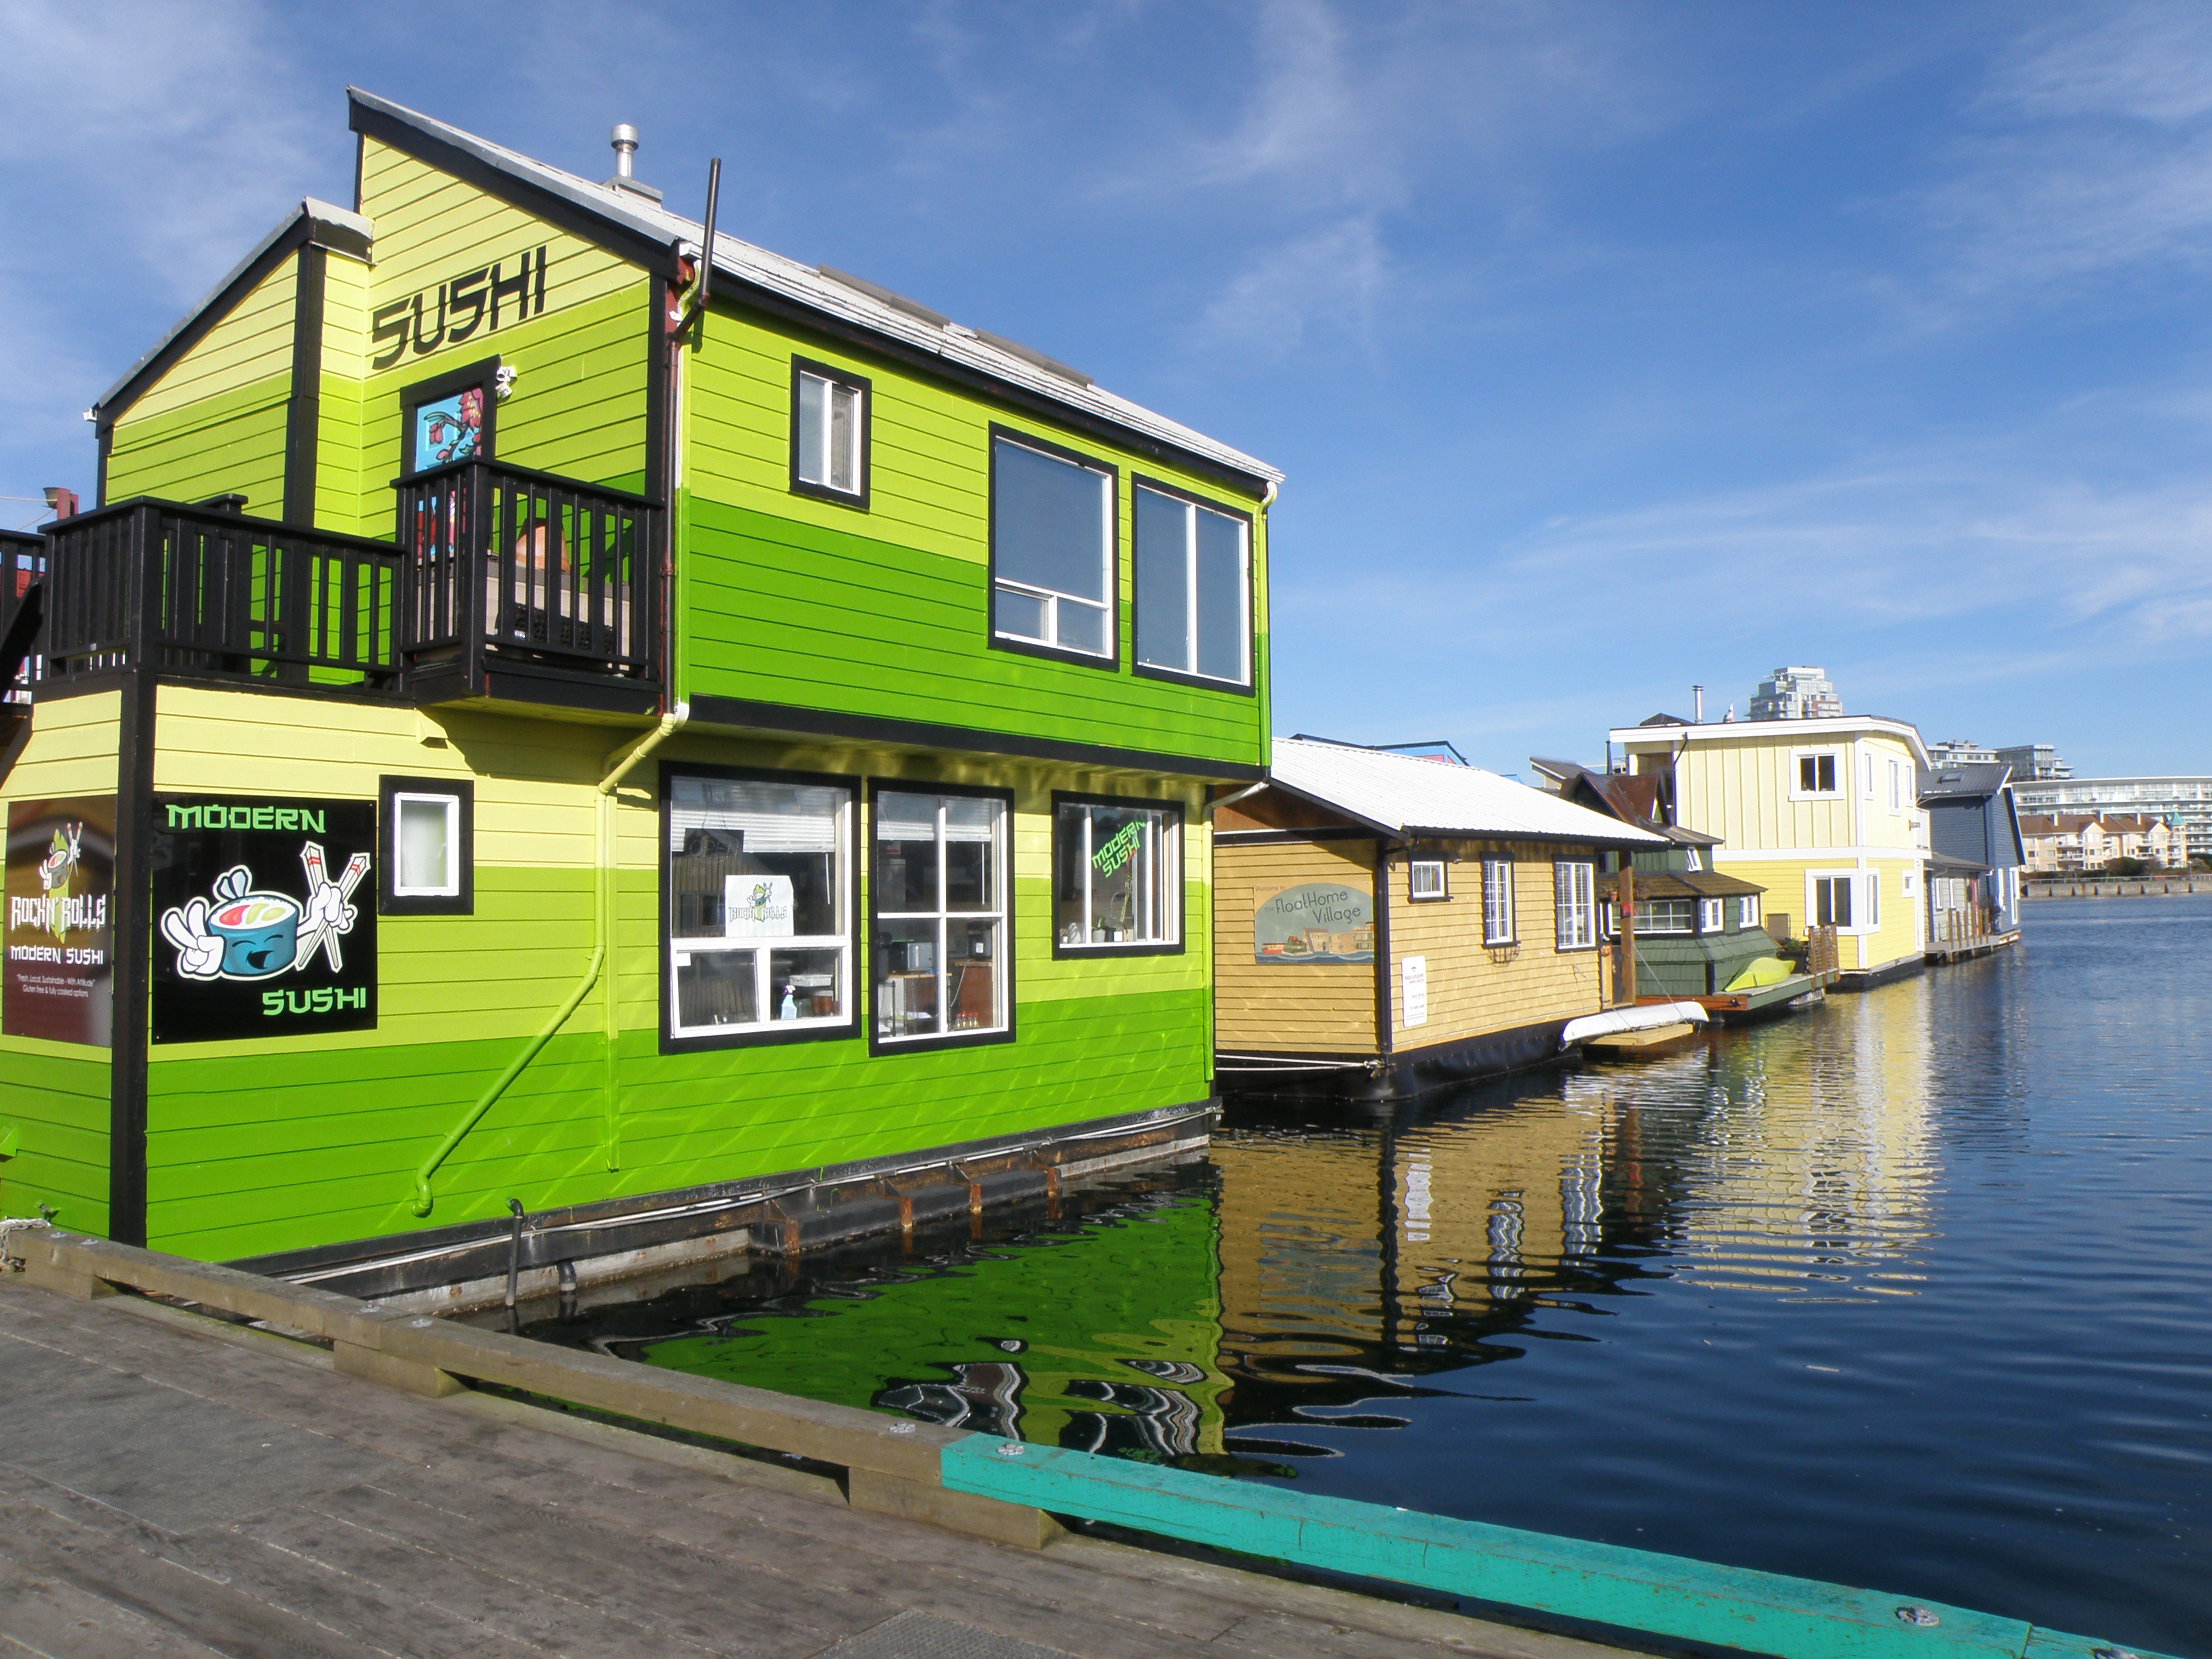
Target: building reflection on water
pixel 1311 1272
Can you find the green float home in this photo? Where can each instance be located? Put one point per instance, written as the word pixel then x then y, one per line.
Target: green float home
pixel 540 719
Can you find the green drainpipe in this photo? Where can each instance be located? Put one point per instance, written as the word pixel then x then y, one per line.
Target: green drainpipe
pixel 620 765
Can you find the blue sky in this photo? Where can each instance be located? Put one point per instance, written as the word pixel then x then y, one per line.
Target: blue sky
pixel 1608 346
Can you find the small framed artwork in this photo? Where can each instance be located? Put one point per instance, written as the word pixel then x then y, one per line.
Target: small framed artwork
pixel 450 418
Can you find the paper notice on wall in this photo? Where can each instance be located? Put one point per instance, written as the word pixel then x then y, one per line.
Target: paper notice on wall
pixel 757 907
pixel 1413 983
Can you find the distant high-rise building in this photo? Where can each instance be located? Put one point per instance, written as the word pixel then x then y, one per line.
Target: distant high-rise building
pixel 2033 759
pixel 1958 752
pixel 1795 694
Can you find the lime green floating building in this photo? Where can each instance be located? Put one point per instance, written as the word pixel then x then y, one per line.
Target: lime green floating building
pixel 540 715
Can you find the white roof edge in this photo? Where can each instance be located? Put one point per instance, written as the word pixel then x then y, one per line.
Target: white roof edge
pixel 199 306
pixel 1409 796
pixel 1829 724
pixel 807 285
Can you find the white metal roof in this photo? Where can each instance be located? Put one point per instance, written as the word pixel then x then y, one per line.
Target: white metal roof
pixel 1403 795
pixel 1792 732
pixel 953 341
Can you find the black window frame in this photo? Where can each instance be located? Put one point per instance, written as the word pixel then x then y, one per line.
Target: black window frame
pixel 1087 952
pixel 866 387
pixel 845 1032
pixel 1444 866
pixel 943 1040
pixel 1248 686
pixel 482 373
pixel 389 902
pixel 1111 661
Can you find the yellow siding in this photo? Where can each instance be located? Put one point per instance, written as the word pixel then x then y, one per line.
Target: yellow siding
pixel 1788 893
pixel 1318 1008
pixel 340 484
pixel 1474 990
pixel 71 751
pixel 246 348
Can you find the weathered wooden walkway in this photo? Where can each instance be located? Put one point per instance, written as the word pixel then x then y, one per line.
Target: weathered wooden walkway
pixel 170 1486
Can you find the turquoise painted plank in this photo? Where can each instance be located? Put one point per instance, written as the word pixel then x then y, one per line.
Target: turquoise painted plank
pixel 1630 1589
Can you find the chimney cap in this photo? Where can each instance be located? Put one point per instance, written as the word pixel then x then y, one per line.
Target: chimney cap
pixel 623 140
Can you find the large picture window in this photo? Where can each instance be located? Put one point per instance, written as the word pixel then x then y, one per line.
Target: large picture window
pixel 1117 884
pixel 760 931
pixel 939 951
pixel 1052 550
pixel 829 432
pixel 1193 598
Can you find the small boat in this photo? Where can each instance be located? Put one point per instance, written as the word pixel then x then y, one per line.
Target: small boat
pixel 1651 1040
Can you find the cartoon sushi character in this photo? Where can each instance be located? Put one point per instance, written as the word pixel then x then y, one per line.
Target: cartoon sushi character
pixel 244 934
pixel 54 872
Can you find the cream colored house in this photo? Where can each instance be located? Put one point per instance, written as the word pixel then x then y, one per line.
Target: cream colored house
pixel 1823 813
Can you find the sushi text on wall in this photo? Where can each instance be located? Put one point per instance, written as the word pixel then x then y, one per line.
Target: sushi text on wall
pixel 1313 922
pixel 59 975
pixel 265 917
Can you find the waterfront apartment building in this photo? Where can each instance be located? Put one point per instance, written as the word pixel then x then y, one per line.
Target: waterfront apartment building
pixel 2186 802
pixel 1823 813
pixel 525 723
pixel 2063 844
pixel 1796 694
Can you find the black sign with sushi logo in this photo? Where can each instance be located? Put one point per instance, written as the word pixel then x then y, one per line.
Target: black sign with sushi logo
pixel 264 917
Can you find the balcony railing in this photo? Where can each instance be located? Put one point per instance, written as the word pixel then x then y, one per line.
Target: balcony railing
pixel 512 571
pixel 148 583
pixel 22 611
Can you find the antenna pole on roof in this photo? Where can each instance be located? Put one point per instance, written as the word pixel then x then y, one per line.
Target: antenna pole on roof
pixel 694 305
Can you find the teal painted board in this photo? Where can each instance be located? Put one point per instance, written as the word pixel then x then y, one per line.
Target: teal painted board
pixel 1630 1589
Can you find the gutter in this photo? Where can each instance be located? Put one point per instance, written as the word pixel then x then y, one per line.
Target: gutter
pixel 619 767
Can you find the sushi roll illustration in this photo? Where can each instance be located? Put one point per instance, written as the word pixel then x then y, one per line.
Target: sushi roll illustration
pixel 244 934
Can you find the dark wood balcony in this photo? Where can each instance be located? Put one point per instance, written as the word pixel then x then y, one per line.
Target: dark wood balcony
pixel 523 585
pixel 502 583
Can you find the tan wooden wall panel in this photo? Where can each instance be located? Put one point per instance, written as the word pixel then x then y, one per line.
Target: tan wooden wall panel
pixel 1316 1009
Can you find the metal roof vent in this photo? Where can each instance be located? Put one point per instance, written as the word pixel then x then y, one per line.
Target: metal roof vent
pixel 624 139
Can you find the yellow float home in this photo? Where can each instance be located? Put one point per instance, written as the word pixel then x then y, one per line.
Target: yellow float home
pixel 1823 813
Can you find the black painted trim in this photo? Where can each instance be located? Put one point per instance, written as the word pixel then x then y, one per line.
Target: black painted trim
pixel 483 372
pixel 1247 687
pixel 551 206
pixel 660 350
pixel 1412 897
pixel 1095 952
pixel 853 787
pixel 104 435
pixel 303 414
pixel 1111 660
pixel 295 237
pixel 388 903
pixel 866 388
pixel 781 720
pixel 133 936
pixel 1381 887
pixel 1008 943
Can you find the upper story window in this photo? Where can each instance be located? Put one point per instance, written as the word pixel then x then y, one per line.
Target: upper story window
pixel 1695 862
pixel 1116 884
pixel 1497 901
pixel 1747 910
pixel 829 432
pixel 1709 916
pixel 1666 915
pixel 1817 773
pixel 1424 880
pixel 759 916
pixel 1193 598
pixel 1052 549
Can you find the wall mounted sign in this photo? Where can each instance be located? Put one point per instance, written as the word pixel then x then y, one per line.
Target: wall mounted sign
pixel 451 313
pixel 265 917
pixel 59 977
pixel 1413 980
pixel 1313 922
pixel 757 907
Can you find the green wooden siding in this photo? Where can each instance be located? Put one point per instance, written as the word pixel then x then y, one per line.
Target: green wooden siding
pixel 234 443
pixel 56 1104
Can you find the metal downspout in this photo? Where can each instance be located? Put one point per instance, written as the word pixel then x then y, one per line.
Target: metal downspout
pixel 601 893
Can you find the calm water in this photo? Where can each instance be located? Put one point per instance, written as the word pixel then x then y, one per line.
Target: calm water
pixel 1912 1291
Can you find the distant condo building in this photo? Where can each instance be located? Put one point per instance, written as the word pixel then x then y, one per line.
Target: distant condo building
pixel 1796 694
pixel 2186 803
pixel 2074 842
pixel 2030 761
pixel 1958 752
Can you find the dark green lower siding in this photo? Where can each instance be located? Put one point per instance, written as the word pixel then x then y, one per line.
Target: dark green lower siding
pixel 255 1155
pixel 776 610
pixel 58 1107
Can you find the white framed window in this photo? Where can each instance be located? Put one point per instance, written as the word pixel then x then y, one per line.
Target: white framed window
pixel 1873 900
pixel 425 861
pixel 1709 916
pixel 1574 886
pixel 1192 600
pixel 1865 772
pixel 1052 549
pixel 1696 862
pixel 427 846
pixel 1815 773
pixel 1424 880
pixel 940 888
pixel 1747 910
pixel 1666 915
pixel 1831 905
pixel 1608 919
pixel 1497 901
pixel 1896 787
pixel 759 905
pixel 1116 886
pixel 829 432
